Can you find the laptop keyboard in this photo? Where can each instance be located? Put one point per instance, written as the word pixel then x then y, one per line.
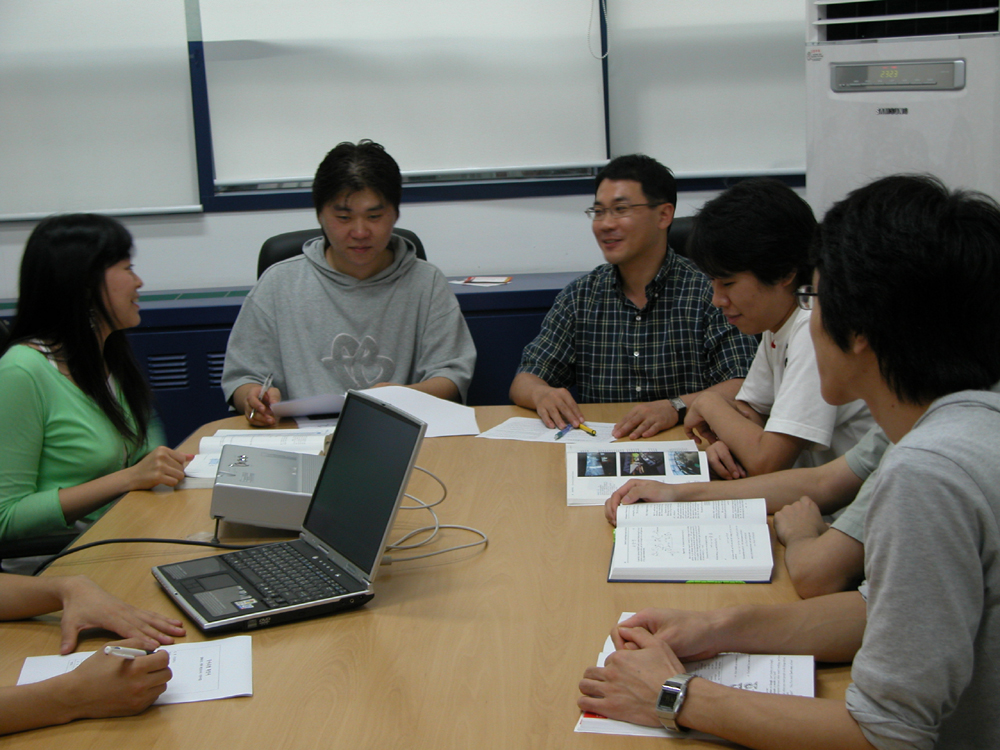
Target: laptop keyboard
pixel 285 576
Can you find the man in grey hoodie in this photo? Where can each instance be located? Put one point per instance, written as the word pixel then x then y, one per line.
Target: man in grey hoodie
pixel 356 309
pixel 906 281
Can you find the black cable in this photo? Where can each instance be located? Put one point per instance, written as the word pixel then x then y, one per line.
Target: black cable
pixel 149 540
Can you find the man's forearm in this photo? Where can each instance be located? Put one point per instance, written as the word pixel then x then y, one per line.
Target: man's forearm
pixel 762 720
pixel 526 388
pixel 825 564
pixel 831 486
pixel 727 388
pixel 827 627
pixel 441 387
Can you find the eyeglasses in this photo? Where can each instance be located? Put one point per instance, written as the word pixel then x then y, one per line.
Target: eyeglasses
pixel 617 211
pixel 805 295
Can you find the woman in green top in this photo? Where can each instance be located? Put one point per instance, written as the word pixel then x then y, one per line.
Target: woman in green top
pixel 77 427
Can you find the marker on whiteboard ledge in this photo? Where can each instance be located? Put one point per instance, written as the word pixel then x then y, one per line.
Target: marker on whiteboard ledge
pixel 125 652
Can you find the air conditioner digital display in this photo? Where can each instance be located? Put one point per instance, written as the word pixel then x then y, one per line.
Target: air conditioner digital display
pixel 922 75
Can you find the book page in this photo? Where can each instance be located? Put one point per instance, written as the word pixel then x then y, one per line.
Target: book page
pixel 300 443
pixel 709 511
pixel 692 552
pixel 594 472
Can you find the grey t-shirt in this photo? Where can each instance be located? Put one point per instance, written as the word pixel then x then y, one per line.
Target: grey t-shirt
pixel 864 459
pixel 928 672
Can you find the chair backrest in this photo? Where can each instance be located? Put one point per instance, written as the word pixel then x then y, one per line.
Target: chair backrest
pixel 4 334
pixel 680 230
pixel 283 246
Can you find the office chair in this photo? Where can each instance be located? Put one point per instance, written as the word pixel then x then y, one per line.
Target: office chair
pixel 680 230
pixel 4 334
pixel 283 246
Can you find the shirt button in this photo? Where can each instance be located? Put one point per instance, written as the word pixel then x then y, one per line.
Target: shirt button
pixel 636 353
pixel 638 388
pixel 638 317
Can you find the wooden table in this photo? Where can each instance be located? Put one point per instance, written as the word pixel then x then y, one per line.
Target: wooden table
pixel 476 649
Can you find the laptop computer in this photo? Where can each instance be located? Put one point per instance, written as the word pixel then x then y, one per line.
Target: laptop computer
pixel 332 565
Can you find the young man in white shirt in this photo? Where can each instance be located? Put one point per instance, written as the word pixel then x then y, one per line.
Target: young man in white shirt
pixel 753 242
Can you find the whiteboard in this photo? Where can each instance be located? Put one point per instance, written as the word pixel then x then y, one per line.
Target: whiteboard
pixel 709 87
pixel 95 108
pixel 441 84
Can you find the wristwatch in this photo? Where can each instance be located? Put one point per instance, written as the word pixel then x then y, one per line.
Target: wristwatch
pixel 681 408
pixel 671 699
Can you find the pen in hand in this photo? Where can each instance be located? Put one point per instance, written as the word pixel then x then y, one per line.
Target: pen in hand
pixel 125 652
pixel 260 396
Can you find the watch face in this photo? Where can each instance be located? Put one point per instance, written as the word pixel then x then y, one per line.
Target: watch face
pixel 668 698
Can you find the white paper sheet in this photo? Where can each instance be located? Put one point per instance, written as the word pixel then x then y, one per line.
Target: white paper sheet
pixel 204 671
pixel 535 431
pixel 443 418
pixel 325 403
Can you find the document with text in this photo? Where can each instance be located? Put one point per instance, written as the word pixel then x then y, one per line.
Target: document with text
pixel 203 671
pixel 534 431
pixel 715 540
pixel 762 673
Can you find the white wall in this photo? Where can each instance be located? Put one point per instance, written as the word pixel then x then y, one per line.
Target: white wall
pixel 521 235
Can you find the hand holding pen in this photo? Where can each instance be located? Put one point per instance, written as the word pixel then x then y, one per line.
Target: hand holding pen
pixel 257 400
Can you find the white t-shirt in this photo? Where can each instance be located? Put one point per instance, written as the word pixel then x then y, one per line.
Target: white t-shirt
pixel 783 384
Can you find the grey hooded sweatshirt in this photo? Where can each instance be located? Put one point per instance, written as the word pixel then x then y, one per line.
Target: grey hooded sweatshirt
pixel 322 331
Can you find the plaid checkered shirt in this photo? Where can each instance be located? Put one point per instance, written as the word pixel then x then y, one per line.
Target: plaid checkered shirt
pixel 594 337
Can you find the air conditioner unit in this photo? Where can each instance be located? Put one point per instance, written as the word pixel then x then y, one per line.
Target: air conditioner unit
pixel 901 86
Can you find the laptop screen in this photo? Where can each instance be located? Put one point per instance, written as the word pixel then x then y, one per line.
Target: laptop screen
pixel 365 471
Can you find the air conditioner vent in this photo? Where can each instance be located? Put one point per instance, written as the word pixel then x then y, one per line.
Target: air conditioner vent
pixel 167 371
pixel 215 363
pixel 840 20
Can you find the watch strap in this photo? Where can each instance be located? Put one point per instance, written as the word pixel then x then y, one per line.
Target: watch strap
pixel 680 407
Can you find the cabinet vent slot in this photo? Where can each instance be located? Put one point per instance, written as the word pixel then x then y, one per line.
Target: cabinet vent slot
pixel 215 361
pixel 168 371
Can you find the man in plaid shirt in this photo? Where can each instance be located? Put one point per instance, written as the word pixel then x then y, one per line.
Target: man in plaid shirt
pixel 641 327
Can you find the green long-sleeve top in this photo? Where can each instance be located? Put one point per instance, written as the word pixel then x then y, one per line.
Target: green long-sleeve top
pixel 52 436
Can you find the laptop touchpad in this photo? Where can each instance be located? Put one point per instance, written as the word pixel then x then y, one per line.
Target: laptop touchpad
pixel 211 583
pixel 220 601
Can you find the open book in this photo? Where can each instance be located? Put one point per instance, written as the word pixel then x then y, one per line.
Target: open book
pixel 593 472
pixel 718 540
pixel 762 673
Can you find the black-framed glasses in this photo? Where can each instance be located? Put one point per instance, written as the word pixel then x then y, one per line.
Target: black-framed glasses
pixel 805 296
pixel 617 211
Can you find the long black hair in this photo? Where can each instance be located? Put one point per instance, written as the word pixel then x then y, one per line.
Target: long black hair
pixel 61 303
